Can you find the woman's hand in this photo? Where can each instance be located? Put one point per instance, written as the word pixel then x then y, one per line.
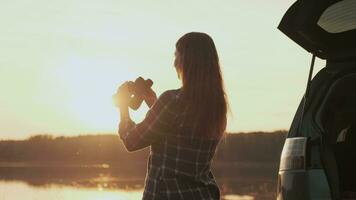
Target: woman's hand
pixel 122 99
pixel 123 96
pixel 150 98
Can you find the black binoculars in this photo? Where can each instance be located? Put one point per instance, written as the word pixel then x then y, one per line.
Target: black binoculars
pixel 138 90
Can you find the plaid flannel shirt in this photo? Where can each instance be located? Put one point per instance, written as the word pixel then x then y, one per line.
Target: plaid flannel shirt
pixel 179 161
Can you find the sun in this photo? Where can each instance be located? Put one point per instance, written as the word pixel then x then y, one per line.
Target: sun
pixel 87 89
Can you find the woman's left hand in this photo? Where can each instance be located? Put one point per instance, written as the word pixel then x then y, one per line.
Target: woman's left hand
pixel 123 95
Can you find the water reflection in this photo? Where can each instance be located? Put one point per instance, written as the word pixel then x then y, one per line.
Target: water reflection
pixel 238 197
pixel 19 190
pixel 107 182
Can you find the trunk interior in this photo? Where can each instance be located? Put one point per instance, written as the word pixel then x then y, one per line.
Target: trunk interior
pixel 339 120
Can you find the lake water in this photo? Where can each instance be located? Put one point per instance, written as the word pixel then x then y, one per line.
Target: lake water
pixel 21 190
pixel 105 182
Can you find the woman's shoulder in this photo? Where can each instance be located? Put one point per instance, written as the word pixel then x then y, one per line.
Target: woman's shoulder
pixel 170 95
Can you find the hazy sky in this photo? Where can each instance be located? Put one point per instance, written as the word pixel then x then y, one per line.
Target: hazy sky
pixel 61 60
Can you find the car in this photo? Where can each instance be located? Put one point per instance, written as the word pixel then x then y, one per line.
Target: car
pixel 318 160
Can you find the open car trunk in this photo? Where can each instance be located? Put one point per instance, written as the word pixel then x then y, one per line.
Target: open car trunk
pixel 327 29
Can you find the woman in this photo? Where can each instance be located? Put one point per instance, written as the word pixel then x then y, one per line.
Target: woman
pixel 183 126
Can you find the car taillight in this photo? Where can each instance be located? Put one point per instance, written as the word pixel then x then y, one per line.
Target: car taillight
pixel 293 154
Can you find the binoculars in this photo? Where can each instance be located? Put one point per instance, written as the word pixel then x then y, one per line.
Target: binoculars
pixel 138 89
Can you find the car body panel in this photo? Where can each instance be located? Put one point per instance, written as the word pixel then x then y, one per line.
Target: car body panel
pixel 303 184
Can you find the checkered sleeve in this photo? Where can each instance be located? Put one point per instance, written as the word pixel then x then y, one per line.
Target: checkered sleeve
pixel 152 128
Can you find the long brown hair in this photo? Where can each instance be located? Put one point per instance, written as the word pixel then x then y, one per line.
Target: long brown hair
pixel 203 90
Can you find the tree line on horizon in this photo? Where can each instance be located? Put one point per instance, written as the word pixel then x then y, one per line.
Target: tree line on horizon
pixel 239 147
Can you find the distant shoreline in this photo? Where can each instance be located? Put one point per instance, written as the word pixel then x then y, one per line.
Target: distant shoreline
pixel 66 164
pixel 51 135
pixel 237 150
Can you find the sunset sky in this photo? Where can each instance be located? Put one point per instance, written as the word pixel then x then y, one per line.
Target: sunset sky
pixel 61 61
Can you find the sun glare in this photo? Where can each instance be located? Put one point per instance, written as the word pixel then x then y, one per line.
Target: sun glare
pixel 89 85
